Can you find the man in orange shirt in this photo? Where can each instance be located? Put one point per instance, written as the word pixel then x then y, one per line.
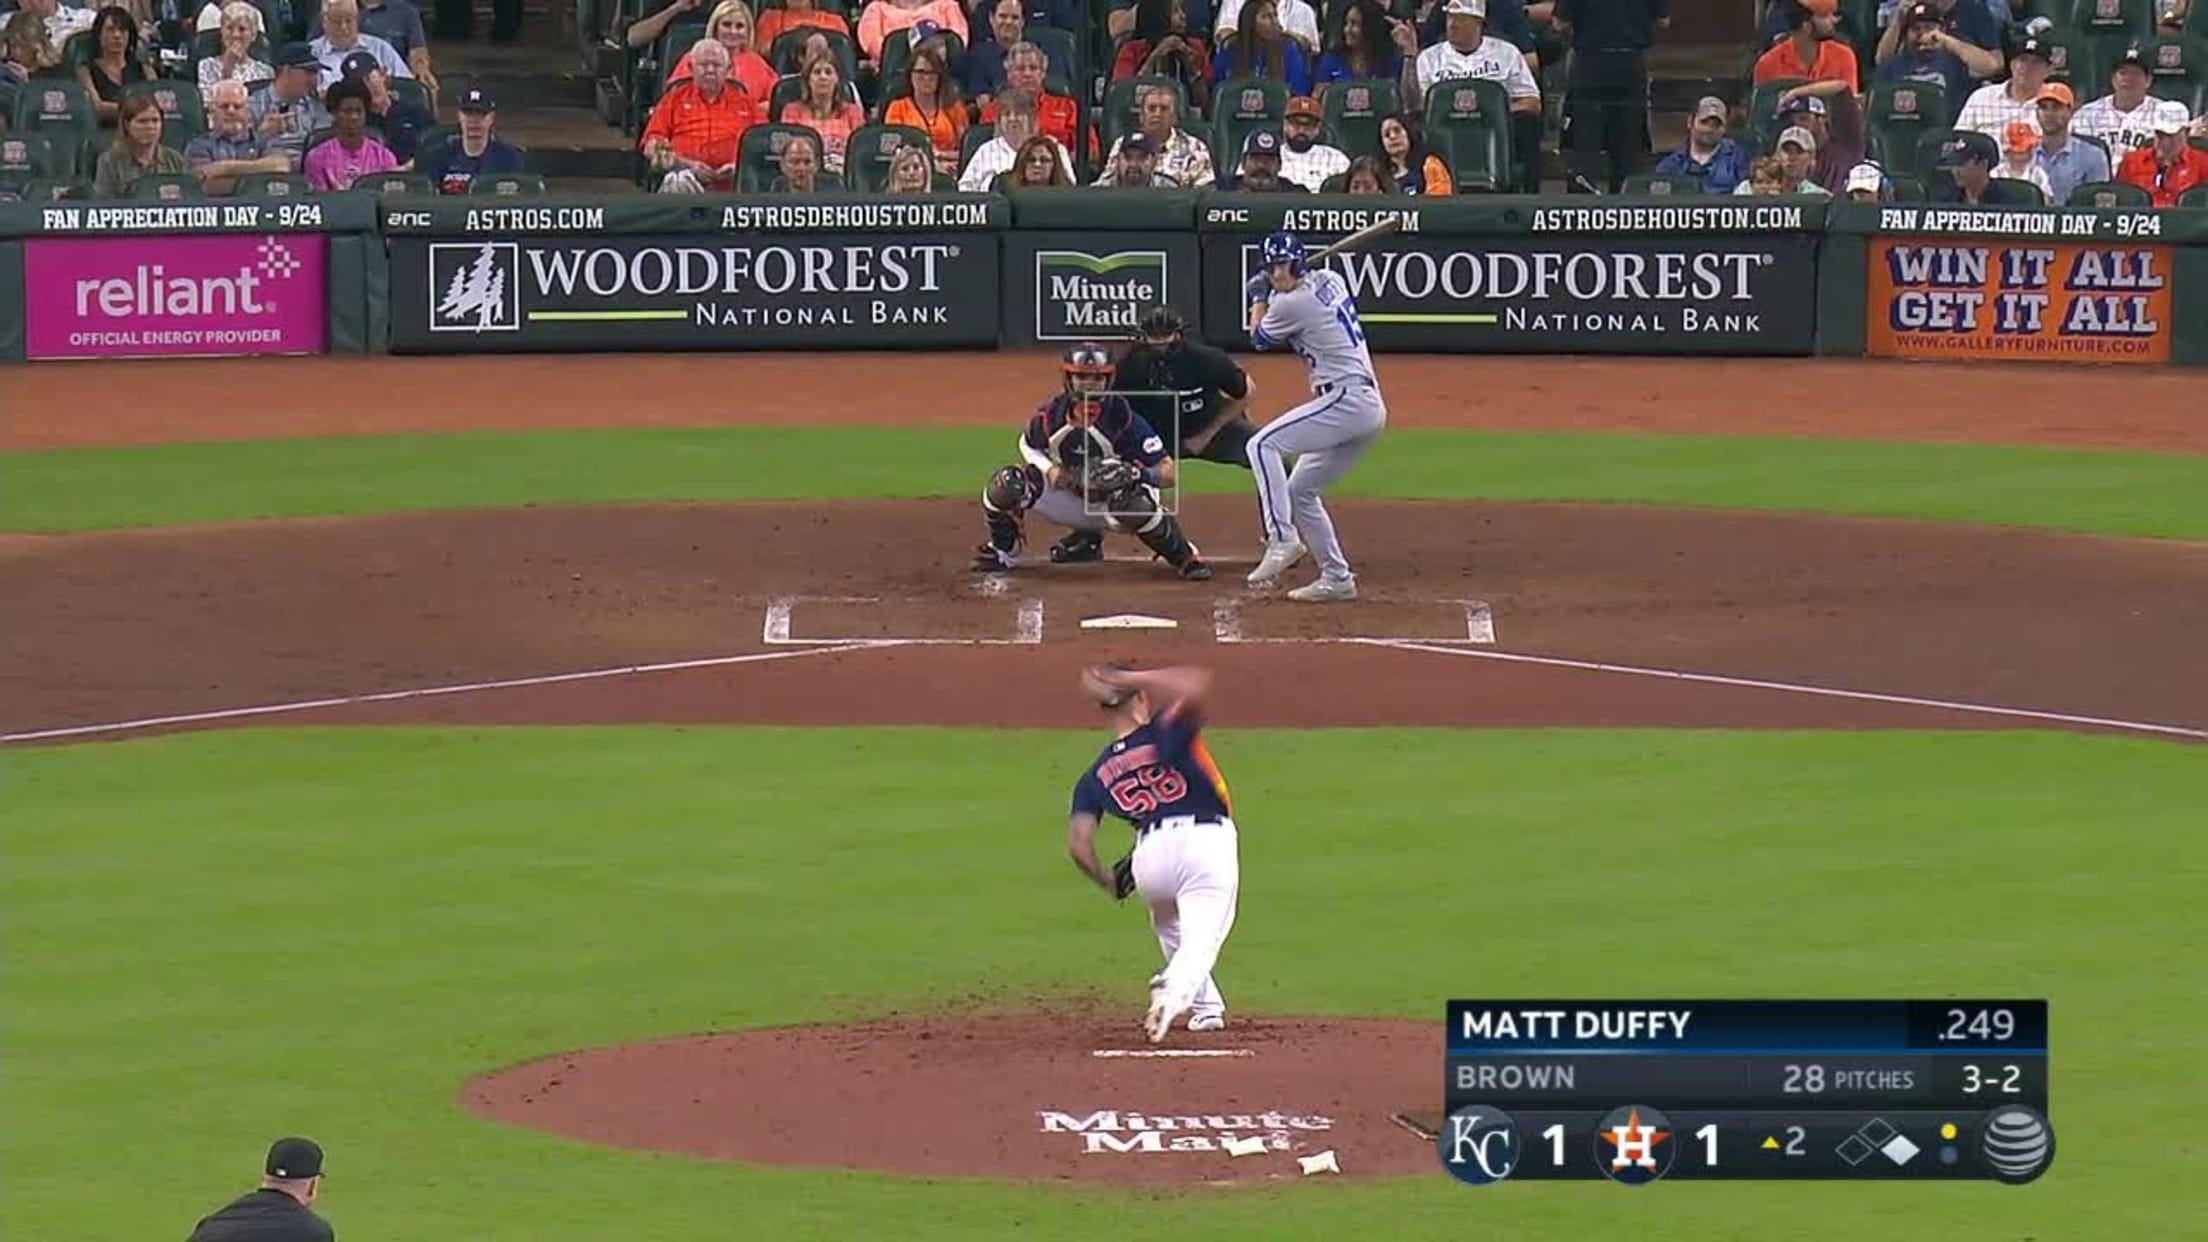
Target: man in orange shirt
pixel 694 131
pixel 2169 166
pixel 1026 66
pixel 1812 49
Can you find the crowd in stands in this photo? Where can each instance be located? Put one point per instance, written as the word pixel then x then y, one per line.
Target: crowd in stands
pixel 126 100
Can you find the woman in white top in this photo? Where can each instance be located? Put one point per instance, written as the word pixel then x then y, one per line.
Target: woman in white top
pixel 241 24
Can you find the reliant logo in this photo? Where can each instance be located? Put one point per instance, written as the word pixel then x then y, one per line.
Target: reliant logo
pixel 1110 1131
pixel 151 292
pixel 1079 296
pixel 474 287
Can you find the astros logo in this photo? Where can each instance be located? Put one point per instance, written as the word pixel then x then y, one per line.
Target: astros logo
pixel 1632 1144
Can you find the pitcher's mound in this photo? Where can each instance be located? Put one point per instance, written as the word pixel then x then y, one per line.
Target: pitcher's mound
pixel 1021 1096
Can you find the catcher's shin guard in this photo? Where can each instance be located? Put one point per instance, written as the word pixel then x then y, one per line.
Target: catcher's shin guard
pixel 1159 531
pixel 1002 504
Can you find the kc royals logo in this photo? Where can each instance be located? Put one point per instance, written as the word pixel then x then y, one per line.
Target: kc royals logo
pixel 1479 1145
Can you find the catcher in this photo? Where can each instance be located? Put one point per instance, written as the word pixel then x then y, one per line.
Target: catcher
pixel 1091 464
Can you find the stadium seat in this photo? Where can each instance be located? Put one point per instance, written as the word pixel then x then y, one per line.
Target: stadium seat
pixel 1919 162
pixel 54 189
pixel 2032 192
pixel 1122 104
pixel 51 103
pixel 1908 188
pixel 507 184
pixel 1240 107
pixel 1660 184
pixel 168 188
pixel 897 53
pixel 791 43
pixel 1468 121
pixel 1058 46
pixel 273 185
pixel 866 156
pixel 977 136
pixel 1901 112
pixel 2195 199
pixel 759 155
pixel 2108 194
pixel 1761 128
pixel 1353 110
pixel 25 157
pixel 2069 61
pixel 413 92
pixel 396 183
pixel 2122 19
pixel 2178 72
pixel 183 118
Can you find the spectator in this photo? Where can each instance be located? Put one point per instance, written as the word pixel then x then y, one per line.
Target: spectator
pixel 2020 149
pixel 1974 34
pixel 1040 162
pixel 230 148
pixel 1259 49
pixel 2169 165
pixel 1365 48
pixel 2067 162
pixel 1829 112
pixel 1765 177
pixel 1929 52
pixel 282 1210
pixel 59 21
pixel 336 163
pixel 1366 176
pixel 829 106
pixel 399 122
pixel 114 63
pixel 985 59
pixel 911 171
pixel 796 15
pixel 1260 170
pixel 209 20
pixel 1304 159
pixel 1797 164
pixel 1296 18
pixel 693 134
pixel 398 23
pixel 1135 166
pixel 1017 122
pixel 1162 47
pixel 2169 18
pixel 1813 50
pixel 241 25
pixel 1120 22
pixel 288 108
pixel 1404 155
pixel 454 164
pixel 1508 20
pixel 1866 184
pixel 1180 156
pixel 731 27
pixel 1027 68
pixel 1708 156
pixel 23 49
pixel 928 100
pixel 1993 106
pixel 341 37
pixel 1968 159
pixel 1606 101
pixel 645 31
pixel 2124 118
pixel 801 172
pixel 884 18
pixel 1469 51
pixel 137 150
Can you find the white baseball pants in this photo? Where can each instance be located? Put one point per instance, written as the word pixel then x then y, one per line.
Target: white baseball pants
pixel 1326 435
pixel 1189 871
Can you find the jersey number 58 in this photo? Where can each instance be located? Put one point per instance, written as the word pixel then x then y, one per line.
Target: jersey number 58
pixel 1141 792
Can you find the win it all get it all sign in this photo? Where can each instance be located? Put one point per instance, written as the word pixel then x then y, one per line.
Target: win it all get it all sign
pixel 2052 302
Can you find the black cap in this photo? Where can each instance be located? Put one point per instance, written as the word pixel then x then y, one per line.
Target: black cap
pixel 2035 46
pixel 1139 143
pixel 1261 142
pixel 1924 12
pixel 2135 57
pixel 294 1159
pixel 358 65
pixel 1966 149
pixel 296 56
pixel 474 100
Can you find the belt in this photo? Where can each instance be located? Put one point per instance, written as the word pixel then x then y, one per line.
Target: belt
pixel 1180 821
pixel 1323 389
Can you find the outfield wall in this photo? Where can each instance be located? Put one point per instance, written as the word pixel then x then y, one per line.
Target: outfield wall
pixel 1660 276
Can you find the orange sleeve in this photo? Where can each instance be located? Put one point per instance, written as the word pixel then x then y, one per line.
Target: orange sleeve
pixel 1438 180
pixel 870 31
pixel 1767 67
pixel 661 124
pixel 901 112
pixel 1853 73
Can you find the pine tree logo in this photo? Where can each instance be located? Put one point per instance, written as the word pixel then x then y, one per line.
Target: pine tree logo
pixel 474 287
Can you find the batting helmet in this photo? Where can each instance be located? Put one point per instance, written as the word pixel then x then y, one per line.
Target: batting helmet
pixel 1282 247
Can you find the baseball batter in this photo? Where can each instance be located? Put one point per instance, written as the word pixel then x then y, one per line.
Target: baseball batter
pixel 1091 464
pixel 1159 776
pixel 1312 313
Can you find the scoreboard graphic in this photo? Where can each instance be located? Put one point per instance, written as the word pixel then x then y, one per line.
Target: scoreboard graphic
pixel 1642 1091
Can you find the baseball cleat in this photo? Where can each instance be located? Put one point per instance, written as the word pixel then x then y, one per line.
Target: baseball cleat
pixel 989 559
pixel 1208 1022
pixel 1075 548
pixel 1277 560
pixel 1195 570
pixel 1325 591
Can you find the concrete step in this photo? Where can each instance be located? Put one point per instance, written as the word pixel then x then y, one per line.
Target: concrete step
pixel 569 142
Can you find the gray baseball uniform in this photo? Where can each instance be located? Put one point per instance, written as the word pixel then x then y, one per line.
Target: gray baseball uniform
pixel 1327 434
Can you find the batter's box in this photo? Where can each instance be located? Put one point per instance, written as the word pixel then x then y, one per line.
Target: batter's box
pixel 1236 619
pixel 810 620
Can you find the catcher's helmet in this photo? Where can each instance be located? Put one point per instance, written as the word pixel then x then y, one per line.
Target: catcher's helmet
pixel 1162 321
pixel 1088 370
pixel 1282 247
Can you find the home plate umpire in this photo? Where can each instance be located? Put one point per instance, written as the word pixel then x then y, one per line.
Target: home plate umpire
pixel 1187 389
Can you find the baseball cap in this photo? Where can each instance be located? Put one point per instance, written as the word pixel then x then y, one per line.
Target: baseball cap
pixel 1799 137
pixel 2172 118
pixel 1922 13
pixel 1466 8
pixel 1303 105
pixel 1821 8
pixel 1806 103
pixel 2135 58
pixel 358 65
pixel 1865 177
pixel 294 1158
pixel 475 100
pixel 2020 136
pixel 1137 143
pixel 1965 149
pixel 2034 46
pixel 2057 92
pixel 296 56
pixel 1261 142
pixel 1711 105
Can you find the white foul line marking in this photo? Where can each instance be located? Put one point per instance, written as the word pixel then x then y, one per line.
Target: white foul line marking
pixel 776 630
pixel 428 692
pixel 1031 622
pixel 1794 687
pixel 1226 620
pixel 1479 622
pixel 1172 1052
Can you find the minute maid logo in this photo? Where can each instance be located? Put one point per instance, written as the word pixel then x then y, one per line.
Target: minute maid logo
pixel 474 287
pixel 1111 1131
pixel 1079 296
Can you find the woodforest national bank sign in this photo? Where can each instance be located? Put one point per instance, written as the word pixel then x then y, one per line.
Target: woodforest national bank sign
pixel 1109 1131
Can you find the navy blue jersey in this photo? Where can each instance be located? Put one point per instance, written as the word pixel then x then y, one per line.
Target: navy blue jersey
pixel 1161 770
pixel 1116 431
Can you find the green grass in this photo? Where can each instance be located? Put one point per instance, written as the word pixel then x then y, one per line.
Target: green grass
pixel 220 937
pixel 81 489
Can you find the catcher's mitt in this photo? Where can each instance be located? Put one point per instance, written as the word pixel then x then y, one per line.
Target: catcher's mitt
pixel 1123 878
pixel 1108 478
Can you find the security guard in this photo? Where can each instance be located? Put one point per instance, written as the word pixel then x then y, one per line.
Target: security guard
pixel 282 1210
pixel 1606 99
pixel 1194 387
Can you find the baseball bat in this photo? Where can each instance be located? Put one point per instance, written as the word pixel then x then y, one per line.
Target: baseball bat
pixel 1368 233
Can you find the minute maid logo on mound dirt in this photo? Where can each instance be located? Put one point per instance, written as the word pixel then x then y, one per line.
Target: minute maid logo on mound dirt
pixel 1110 1131
pixel 1079 295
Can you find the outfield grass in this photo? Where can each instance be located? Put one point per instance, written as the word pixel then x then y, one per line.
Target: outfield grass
pixel 219 937
pixel 81 489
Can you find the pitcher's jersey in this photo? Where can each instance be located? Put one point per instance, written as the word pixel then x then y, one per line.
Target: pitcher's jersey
pixel 1159 771
pixel 1318 319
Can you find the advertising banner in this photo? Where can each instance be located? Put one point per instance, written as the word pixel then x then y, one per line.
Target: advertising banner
pixel 1529 294
pixel 138 297
pixel 2044 301
pixel 846 291
pixel 1061 287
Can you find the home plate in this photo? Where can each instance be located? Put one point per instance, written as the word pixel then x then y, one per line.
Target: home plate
pixel 1129 621
pixel 1172 1052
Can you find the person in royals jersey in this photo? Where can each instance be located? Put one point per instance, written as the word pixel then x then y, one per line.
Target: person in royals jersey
pixel 1159 776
